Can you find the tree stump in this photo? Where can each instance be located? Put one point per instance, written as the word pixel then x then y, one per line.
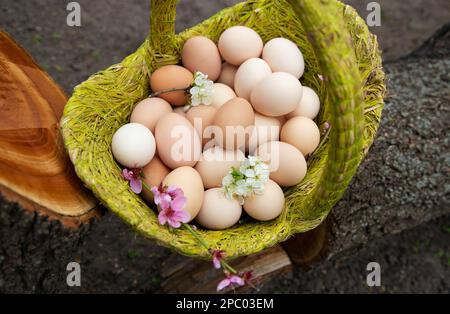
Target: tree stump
pixel 35 170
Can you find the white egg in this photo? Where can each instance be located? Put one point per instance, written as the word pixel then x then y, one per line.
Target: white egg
pixel 283 55
pixel 133 145
pixel 248 75
pixel 217 211
pixel 308 106
pixel 221 94
pixel 277 94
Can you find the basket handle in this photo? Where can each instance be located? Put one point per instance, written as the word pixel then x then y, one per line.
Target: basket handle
pixel 162 21
pixel 333 47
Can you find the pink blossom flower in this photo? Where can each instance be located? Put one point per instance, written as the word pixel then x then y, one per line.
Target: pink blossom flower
pixel 133 176
pixel 173 217
pixel 217 257
pixel 230 280
pixel 171 200
pixel 161 197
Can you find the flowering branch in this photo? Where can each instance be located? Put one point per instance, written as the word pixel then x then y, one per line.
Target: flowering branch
pixel 171 201
pixel 200 91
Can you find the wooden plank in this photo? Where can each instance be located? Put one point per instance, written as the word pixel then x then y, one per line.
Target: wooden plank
pixel 33 160
pixel 186 275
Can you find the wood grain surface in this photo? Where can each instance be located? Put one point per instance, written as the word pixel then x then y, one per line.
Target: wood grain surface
pixel 33 160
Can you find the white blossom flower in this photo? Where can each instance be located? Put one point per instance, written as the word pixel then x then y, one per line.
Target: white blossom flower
pixel 247 180
pixel 201 91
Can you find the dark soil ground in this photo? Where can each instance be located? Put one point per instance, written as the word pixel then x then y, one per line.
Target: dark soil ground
pixel 113 259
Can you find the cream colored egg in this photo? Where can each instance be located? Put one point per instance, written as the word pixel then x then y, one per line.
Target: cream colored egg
pixel 283 55
pixel 133 145
pixel 267 129
pixel 188 179
pixel 287 165
pixel 178 143
pixel 217 211
pixel 149 111
pixel 201 54
pixel 302 133
pixel 234 123
pixel 249 74
pixel 308 106
pixel 154 173
pixel 277 94
pixel 227 74
pixel 215 164
pixel 268 205
pixel 201 117
pixel 221 94
pixel 240 43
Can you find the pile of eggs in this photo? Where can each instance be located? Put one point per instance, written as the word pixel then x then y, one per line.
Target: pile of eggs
pixel 257 93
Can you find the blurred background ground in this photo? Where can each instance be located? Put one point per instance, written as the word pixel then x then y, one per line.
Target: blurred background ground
pixel 113 258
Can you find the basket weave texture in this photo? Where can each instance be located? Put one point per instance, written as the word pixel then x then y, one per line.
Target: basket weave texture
pixel 342 63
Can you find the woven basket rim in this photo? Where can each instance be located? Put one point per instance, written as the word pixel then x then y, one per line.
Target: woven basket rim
pixel 101 174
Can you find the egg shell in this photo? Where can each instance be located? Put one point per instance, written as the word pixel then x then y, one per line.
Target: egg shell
pixel 283 55
pixel 221 94
pixel 302 133
pixel 268 205
pixel 201 117
pixel 277 94
pixel 148 111
pixel 309 105
pixel 287 165
pixel 217 211
pixel 154 174
pixel 267 129
pixel 234 121
pixel 240 43
pixel 201 54
pixel 249 74
pixel 282 120
pixel 188 179
pixel 133 145
pixel 178 143
pixel 180 111
pixel 227 74
pixel 171 76
pixel 216 163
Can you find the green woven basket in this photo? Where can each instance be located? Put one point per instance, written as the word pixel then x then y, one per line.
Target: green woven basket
pixel 342 63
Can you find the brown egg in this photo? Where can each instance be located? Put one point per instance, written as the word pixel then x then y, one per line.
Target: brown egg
pixel 171 76
pixel 177 142
pixel 216 163
pixel 227 74
pixel 267 129
pixel 191 183
pixel 302 133
pixel 286 163
pixel 234 122
pixel 201 117
pixel 201 54
pixel 149 111
pixel 154 174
